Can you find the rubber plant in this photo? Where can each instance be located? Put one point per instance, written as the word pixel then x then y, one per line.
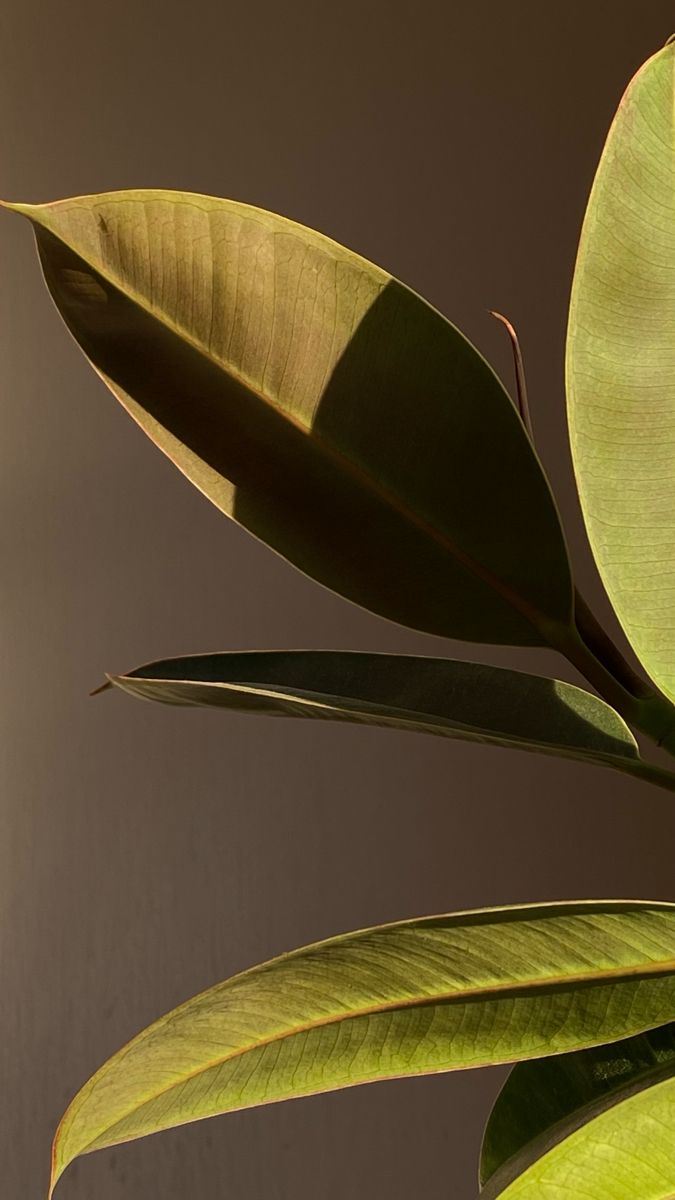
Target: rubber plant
pixel 342 420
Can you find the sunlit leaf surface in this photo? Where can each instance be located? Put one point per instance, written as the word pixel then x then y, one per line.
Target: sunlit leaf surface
pixel 621 367
pixel 319 402
pixel 435 994
pixel 598 1124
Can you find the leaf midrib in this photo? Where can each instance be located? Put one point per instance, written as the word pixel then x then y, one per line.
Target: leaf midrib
pixel 616 976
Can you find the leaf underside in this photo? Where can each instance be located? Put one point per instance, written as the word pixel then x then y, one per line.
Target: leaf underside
pixel 435 994
pixel 621 367
pixel 317 401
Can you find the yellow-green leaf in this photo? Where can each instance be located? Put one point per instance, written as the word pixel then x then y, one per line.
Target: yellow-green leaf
pixel 435 994
pixel 319 402
pixel 599 1124
pixel 621 366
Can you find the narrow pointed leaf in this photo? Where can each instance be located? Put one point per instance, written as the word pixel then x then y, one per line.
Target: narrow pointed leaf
pixel 434 994
pixel 598 1123
pixel 318 402
pixel 465 700
pixel 621 366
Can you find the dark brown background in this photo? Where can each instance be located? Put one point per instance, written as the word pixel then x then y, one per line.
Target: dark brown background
pixel 146 853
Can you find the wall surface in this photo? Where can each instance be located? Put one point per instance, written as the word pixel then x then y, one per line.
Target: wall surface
pixel 144 852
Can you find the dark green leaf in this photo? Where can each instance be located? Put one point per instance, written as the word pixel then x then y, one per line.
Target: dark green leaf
pixel 465 700
pixel 433 695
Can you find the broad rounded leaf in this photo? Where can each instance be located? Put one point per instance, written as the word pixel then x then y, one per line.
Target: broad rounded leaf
pixel 319 402
pixel 435 994
pixel 599 1124
pixel 465 700
pixel 621 367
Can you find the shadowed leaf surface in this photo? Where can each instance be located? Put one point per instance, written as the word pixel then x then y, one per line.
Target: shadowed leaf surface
pixel 470 701
pixel 599 1124
pixel 434 994
pixel 621 367
pixel 319 402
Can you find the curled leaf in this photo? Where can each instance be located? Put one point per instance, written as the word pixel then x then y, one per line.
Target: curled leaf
pixel 465 700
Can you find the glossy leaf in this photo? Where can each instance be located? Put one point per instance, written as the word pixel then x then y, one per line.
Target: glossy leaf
pixel 319 402
pixel 465 700
pixel 598 1124
pixel 621 367
pixel 435 994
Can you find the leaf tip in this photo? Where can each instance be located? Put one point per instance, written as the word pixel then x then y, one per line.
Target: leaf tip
pixel 15 206
pixel 500 317
pixel 103 687
pixel 55 1171
pixel 56 1174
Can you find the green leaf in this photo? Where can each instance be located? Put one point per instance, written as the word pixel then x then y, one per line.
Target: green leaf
pixel 465 700
pixel 621 367
pixel 319 402
pixel 598 1124
pixel 434 994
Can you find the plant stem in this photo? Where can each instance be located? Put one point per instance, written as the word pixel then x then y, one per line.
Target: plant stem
pixel 650 773
pixel 519 368
pixel 603 648
pixel 587 646
pixel 591 651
